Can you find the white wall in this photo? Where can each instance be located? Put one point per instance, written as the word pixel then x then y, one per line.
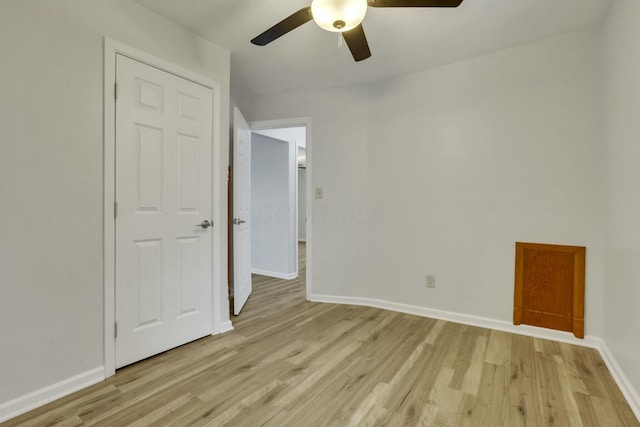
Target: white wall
pixel 442 171
pixel 51 304
pixel 621 129
pixel 297 134
pixel 272 215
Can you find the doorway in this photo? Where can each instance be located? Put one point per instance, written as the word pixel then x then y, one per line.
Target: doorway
pixel 299 132
pixel 286 143
pixel 274 202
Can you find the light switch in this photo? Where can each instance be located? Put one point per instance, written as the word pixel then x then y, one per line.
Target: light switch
pixel 319 193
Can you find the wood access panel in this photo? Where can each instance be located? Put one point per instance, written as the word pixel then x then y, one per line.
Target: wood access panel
pixel 549 287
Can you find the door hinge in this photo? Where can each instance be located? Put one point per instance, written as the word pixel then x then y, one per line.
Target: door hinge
pixel 115 91
pixel 115 330
pixel 115 209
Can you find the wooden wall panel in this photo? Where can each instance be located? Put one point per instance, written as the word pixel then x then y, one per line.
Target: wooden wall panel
pixel 549 287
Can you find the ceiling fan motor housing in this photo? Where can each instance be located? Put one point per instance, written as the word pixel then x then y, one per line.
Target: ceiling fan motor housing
pixel 338 15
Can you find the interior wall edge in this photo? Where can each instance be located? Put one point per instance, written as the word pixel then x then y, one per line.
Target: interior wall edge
pixel 591 341
pixel 47 394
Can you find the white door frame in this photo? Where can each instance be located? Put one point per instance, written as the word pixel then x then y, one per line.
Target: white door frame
pixel 111 49
pixel 289 123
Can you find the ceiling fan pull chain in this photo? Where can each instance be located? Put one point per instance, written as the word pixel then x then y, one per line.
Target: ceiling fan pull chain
pixel 340 39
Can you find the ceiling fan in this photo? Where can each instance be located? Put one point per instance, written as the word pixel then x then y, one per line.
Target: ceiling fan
pixel 343 16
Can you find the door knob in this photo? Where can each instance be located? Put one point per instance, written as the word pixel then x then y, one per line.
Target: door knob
pixel 205 224
pixel 238 221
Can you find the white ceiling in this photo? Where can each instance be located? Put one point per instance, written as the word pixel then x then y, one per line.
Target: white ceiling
pixel 402 40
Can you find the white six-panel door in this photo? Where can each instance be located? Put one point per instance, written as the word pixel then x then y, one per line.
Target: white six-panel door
pixel 163 195
pixel 241 211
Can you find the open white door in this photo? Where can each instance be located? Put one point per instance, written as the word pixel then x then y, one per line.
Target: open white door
pixel 241 211
pixel 164 210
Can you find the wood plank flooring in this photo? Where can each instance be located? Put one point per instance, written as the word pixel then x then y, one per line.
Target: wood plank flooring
pixel 290 362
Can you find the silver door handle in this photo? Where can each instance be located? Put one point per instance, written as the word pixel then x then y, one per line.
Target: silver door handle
pixel 238 221
pixel 205 224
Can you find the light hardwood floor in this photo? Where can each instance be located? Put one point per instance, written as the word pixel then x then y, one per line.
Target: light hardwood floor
pixel 290 362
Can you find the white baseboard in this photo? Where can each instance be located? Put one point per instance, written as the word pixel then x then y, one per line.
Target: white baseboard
pixel 32 400
pixel 628 390
pixel 285 276
pixel 225 327
pixel 465 319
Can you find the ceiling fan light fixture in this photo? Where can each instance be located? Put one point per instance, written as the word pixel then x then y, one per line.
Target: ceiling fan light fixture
pixel 338 15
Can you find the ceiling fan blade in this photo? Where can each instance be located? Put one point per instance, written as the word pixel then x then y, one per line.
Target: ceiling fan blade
pixel 357 42
pixel 414 3
pixel 283 27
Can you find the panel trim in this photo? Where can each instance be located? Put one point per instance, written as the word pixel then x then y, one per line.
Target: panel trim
pixel 590 341
pixel 285 276
pixel 30 401
pixel 219 297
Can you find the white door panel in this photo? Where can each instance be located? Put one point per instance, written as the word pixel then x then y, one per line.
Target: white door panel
pixel 241 211
pixel 163 190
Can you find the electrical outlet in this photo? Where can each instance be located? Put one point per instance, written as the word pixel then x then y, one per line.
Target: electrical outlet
pixel 431 281
pixel 319 193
